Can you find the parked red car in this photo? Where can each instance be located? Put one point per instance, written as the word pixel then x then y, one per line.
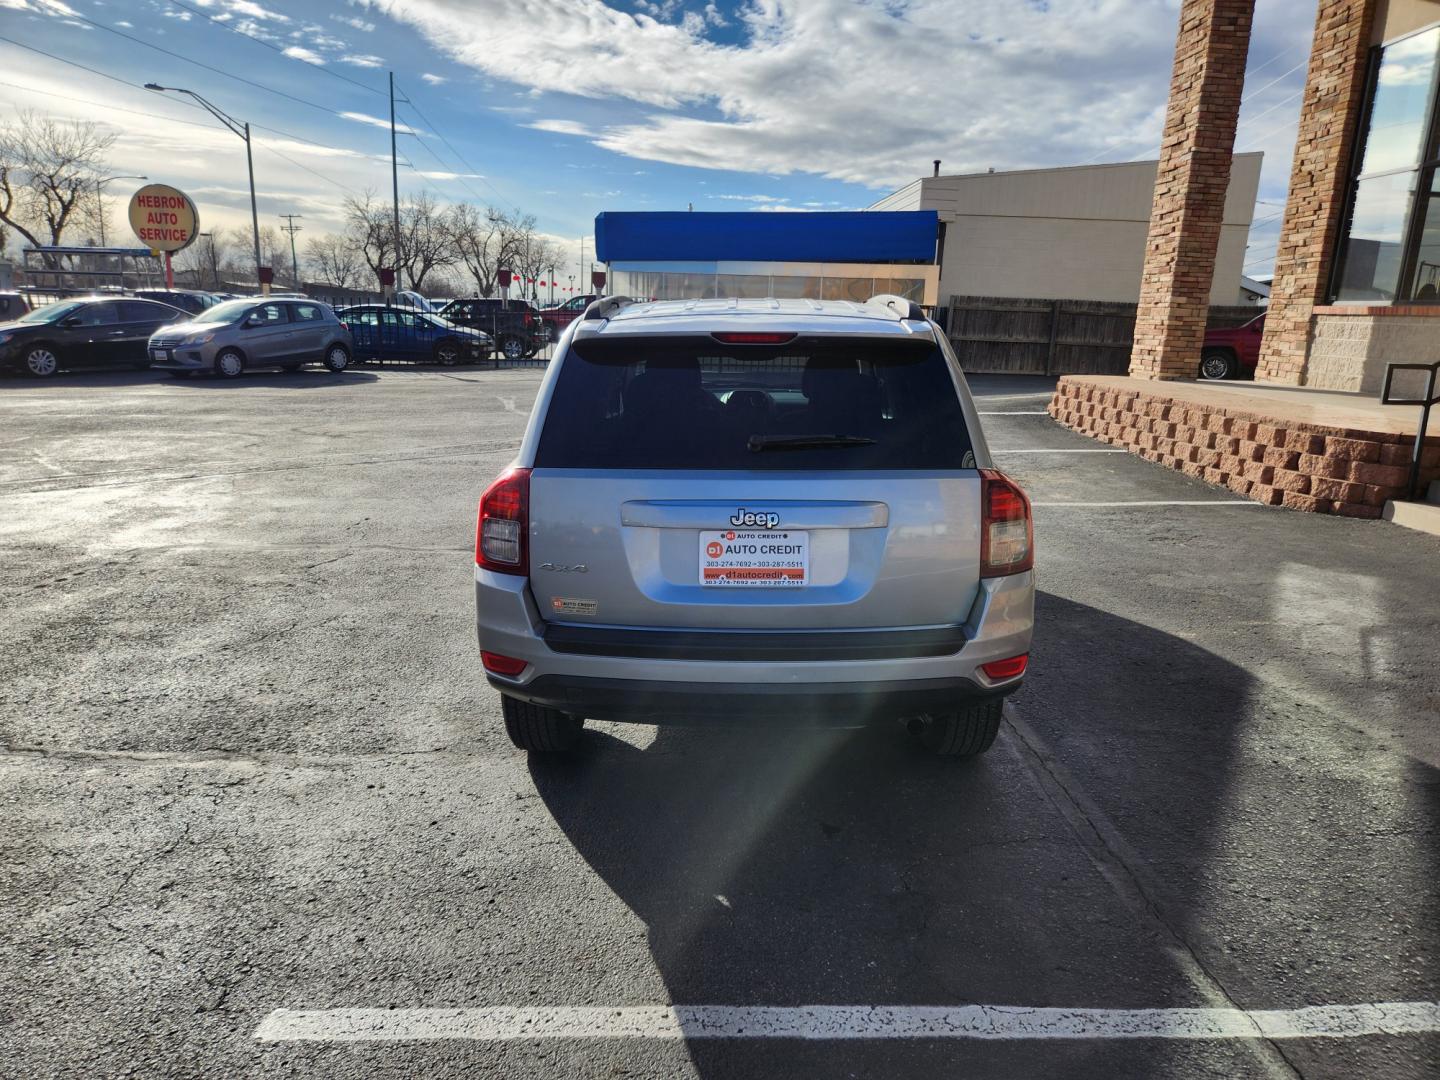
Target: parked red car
pixel 1232 352
pixel 557 318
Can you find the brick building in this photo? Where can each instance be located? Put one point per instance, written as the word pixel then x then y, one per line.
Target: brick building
pixel 1357 271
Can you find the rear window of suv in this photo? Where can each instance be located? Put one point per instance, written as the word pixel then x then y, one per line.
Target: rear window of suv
pixel 831 403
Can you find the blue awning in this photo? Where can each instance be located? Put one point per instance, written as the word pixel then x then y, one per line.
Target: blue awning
pixel 866 236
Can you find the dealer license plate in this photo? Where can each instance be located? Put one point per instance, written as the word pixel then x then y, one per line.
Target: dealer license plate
pixel 159 356
pixel 746 558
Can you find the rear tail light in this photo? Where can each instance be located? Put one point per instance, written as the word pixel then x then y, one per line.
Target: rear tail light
pixel 529 319
pixel 502 665
pixel 502 541
pixel 1007 534
pixel 1006 669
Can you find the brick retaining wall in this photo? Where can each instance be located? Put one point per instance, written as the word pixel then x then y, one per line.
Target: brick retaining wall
pixel 1304 466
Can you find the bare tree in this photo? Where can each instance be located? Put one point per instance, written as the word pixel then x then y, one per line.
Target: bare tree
pixel 485 241
pixel 426 240
pixel 534 256
pixel 334 260
pixel 370 232
pixel 48 170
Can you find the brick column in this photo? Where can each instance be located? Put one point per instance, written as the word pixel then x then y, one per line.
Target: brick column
pixel 1310 231
pixel 1190 187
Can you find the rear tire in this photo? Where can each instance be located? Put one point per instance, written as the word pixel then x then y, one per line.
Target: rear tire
pixel 337 359
pixel 537 728
pixel 1218 364
pixel 967 732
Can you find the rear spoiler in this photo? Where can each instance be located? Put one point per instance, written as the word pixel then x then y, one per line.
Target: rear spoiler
pixel 607 307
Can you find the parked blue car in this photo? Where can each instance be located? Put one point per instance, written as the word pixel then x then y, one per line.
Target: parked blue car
pixel 386 333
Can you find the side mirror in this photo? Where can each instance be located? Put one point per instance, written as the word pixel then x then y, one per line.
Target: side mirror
pixel 70 322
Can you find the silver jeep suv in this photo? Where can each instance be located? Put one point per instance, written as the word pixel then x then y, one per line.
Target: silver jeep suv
pixel 738 509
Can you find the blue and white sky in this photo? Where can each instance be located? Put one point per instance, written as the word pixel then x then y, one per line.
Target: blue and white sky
pixel 564 108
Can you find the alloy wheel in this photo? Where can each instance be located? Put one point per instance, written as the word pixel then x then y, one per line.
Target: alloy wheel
pixel 41 362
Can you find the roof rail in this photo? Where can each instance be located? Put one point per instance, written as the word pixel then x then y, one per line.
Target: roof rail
pixel 606 307
pixel 906 309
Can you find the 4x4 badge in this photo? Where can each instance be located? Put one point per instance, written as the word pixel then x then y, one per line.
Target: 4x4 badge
pixel 749 518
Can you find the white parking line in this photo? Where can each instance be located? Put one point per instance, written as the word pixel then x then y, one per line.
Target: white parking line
pixel 846 1022
pixel 1159 502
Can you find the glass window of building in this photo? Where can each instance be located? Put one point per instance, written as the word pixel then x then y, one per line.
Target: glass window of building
pixel 1391 247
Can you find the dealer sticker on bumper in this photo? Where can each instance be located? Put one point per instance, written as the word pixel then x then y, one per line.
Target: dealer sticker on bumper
pixel 754 558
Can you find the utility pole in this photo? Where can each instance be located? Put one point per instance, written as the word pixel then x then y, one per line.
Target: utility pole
pixel 214 270
pixel 552 284
pixel 394 182
pixel 291 228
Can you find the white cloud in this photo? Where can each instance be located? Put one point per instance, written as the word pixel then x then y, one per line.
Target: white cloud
pixel 299 52
pixel 38 7
pixel 561 127
pixel 751 198
pixel 851 89
pixel 254 11
pixel 433 80
pixel 363 60
pixel 452 175
pixel 375 121
pixel 354 23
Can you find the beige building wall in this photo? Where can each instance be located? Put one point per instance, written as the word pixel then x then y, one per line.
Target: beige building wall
pixel 1395 18
pixel 1071 233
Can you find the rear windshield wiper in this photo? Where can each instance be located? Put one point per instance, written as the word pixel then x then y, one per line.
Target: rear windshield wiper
pixel 804 442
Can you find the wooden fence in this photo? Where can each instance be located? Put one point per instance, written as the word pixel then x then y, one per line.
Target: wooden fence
pixel 1053 337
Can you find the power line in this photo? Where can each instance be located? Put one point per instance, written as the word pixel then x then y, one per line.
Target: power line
pixel 459 156
pixel 207 67
pixel 276 48
pixel 135 112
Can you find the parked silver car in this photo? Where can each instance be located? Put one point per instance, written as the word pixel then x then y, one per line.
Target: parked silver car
pixel 241 335
pixel 767 509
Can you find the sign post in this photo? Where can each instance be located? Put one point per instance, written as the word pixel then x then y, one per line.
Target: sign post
pixel 166 221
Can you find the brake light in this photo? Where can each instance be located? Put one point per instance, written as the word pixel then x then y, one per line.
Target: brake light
pixel 529 319
pixel 1006 669
pixel 729 337
pixel 502 541
pixel 1007 533
pixel 502 665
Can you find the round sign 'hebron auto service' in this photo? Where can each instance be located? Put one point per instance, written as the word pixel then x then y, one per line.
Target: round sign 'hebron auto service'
pixel 164 218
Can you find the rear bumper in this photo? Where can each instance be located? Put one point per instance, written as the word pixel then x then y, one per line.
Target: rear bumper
pixel 854 704
pixel 656 675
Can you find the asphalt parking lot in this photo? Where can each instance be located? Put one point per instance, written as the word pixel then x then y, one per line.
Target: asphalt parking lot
pixel 250 764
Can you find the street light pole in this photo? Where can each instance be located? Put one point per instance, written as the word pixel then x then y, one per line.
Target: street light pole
pixel 243 131
pixel 100 182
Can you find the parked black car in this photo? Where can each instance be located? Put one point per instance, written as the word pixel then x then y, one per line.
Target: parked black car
pixel 516 326
pixel 192 300
pixel 89 332
pixel 390 333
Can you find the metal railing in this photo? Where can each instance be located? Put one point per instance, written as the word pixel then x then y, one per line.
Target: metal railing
pixel 1424 403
